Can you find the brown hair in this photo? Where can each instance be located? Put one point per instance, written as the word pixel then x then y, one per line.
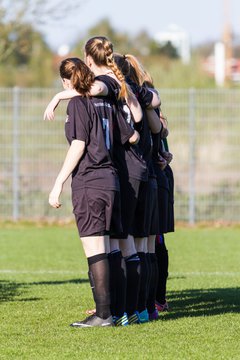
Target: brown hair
pixel 138 74
pixel 78 72
pixel 101 51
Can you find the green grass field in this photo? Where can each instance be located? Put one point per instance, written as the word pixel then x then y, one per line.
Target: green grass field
pixel 44 287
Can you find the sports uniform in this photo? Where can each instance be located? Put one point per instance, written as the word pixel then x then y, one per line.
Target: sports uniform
pixel 146 216
pixel 94 185
pixel 165 181
pixel 128 159
pixel 132 170
pixel 94 180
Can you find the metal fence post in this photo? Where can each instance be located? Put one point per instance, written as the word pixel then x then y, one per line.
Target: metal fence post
pixel 192 157
pixel 15 154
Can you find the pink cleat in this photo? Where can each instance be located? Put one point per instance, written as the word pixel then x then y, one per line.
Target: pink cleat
pixel 162 307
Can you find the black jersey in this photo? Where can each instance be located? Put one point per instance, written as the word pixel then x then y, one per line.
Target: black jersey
pixel 143 93
pixel 144 96
pixel 89 120
pixel 128 158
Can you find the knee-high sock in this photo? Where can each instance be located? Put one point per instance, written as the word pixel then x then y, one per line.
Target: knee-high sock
pixel 133 279
pixel 162 259
pixel 153 284
pixel 118 283
pixel 143 287
pixel 99 279
pixel 149 274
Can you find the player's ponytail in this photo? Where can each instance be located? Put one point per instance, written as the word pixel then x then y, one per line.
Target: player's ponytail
pixel 101 51
pixel 78 72
pixel 137 71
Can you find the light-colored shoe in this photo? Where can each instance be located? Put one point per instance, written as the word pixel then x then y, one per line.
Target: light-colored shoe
pixel 93 321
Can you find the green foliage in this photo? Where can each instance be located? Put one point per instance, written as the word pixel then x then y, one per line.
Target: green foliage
pixel 26 60
pixel 44 287
pixel 167 50
pixel 174 74
pixel 162 63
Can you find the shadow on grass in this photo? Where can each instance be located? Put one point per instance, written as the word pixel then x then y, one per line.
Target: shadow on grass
pixel 203 302
pixel 63 282
pixel 185 303
pixel 11 290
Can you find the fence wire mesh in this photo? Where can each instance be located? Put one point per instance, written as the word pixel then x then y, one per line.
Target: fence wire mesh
pixel 204 139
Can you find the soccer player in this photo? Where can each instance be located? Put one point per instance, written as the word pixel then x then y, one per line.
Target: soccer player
pixel 166 216
pixel 95 183
pixel 115 85
pixel 132 170
pixel 146 216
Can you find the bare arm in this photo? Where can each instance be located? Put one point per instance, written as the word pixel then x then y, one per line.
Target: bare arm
pixel 154 122
pixel 156 101
pixel 74 154
pixel 134 139
pixel 98 88
pixel 63 95
pixel 135 108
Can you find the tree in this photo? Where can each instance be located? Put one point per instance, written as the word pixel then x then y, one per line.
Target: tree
pixel 120 41
pixel 25 58
pixel 16 14
pixel 167 50
pixel 141 44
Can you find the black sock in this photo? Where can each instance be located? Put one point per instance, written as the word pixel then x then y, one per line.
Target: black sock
pixel 162 259
pixel 149 274
pixel 143 287
pixel 118 283
pixel 99 280
pixel 133 279
pixel 153 284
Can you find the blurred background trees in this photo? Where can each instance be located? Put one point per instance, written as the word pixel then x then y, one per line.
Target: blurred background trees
pixel 27 60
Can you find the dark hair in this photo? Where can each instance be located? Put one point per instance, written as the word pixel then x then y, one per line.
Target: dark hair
pixel 122 63
pixel 78 72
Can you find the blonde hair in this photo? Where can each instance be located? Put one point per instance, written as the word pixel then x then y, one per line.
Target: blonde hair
pixel 137 72
pixel 101 51
pixel 78 72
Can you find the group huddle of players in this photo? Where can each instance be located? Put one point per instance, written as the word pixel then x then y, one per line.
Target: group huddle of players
pixel 122 183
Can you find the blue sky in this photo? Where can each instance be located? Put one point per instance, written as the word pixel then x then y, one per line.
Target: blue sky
pixel 203 20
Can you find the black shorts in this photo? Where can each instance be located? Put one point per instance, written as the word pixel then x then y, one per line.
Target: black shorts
pixel 166 200
pixel 129 189
pixel 116 220
pixel 146 215
pixel 168 171
pixel 93 210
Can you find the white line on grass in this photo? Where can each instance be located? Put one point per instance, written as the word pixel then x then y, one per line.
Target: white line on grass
pixel 193 273
pixel 206 273
pixel 10 271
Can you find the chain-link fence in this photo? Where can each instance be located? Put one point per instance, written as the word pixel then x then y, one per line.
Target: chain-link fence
pixel 204 139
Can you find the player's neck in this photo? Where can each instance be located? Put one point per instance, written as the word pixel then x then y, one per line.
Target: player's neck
pixel 103 71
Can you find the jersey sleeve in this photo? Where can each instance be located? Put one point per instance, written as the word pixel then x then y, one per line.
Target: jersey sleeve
pixel 112 86
pixel 145 96
pixel 79 120
pixel 124 128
